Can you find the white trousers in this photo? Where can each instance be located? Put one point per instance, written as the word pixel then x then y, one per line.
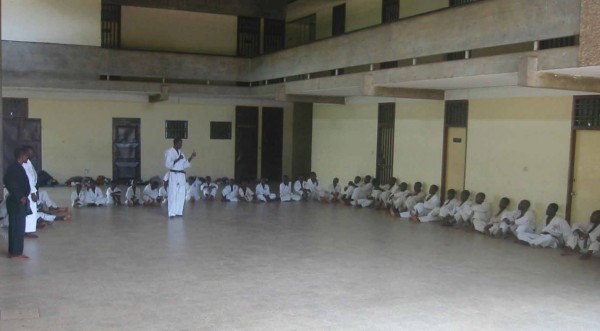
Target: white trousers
pixel 261 197
pixel 290 197
pixel 31 220
pixel 479 225
pixel 539 240
pixel 176 193
pixel 44 199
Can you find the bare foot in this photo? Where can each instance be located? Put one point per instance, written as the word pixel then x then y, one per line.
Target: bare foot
pixel 31 236
pixel 68 217
pixel 18 257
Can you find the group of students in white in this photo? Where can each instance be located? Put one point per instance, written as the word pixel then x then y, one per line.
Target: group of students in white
pixel 89 195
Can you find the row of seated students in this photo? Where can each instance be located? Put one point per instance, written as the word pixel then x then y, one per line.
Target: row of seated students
pixel 48 211
pixel 396 197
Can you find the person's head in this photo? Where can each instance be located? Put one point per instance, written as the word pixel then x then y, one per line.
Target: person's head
pixel 177 143
pixel 29 150
pixel 301 178
pixel 393 181
pixel 595 217
pixel 227 181
pixel 465 195
pixel 451 194
pixel 92 185
pixel 524 205
pixel 113 184
pixel 313 175
pixel 133 183
pixel 78 187
pixel 336 181
pixel 208 179
pixel 479 198
pixel 375 181
pixel 286 179
pixel 418 187
pixel 367 179
pixel 232 181
pixel 154 185
pixel 357 179
pixel 21 155
pixel 433 189
pixel 552 209
pixel 403 186
pixel 504 202
pixel 263 180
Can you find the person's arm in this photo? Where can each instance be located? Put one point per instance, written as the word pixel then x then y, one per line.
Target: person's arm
pixel 192 156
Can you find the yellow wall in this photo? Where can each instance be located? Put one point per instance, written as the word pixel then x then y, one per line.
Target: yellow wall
pixel 77 135
pixel 52 21
pixel 419 138
pixel 415 7
pixel 362 13
pixel 519 148
pixel 344 141
pixel 173 30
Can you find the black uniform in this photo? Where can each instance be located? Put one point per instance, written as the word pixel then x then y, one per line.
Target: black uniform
pixel 17 184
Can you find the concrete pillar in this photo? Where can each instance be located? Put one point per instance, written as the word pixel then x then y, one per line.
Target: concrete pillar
pixel 589 38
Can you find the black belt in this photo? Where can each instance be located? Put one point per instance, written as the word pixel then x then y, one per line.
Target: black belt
pixel 178 171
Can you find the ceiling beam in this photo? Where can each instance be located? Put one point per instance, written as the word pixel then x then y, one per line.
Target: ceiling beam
pixel 529 76
pixel 372 90
pixel 307 98
pixel 274 9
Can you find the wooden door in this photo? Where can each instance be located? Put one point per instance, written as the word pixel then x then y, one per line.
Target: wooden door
pixel 272 143
pixel 126 149
pixel 455 145
pixel 246 143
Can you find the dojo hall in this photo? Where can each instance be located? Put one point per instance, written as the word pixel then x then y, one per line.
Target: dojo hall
pixel 500 97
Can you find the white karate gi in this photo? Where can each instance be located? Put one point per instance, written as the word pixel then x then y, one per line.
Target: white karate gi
pixel 176 190
pixel 413 200
pixel 463 212
pixel 436 214
pixel 316 192
pixel 525 223
pixel 482 214
pixel 297 189
pixel 77 200
pixel 263 192
pixel 552 235
pixel 430 203
pixel 398 199
pixel 46 217
pixel 246 195
pixel 385 197
pixel 230 193
pixel 109 193
pixel 133 196
pixel 94 197
pixel 209 190
pixel 31 220
pixel 367 202
pixel 193 191
pixel 286 194
pixel 44 200
pixel 497 219
pixel 362 192
pixel 590 244
pixel 3 212
pixel 149 195
pixel 332 192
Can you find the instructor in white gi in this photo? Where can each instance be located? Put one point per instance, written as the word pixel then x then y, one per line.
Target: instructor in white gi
pixel 176 162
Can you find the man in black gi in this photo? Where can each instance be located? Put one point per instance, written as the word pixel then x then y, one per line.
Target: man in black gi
pixel 17 184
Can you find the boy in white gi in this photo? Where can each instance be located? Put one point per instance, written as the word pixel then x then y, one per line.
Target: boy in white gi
pixel 553 234
pixel 77 196
pixel 93 195
pixel 313 187
pixel 285 191
pixel 585 238
pixel 447 209
pixel 113 194
pixel 209 189
pixel 493 228
pixel 522 220
pixel 461 212
pixel 387 193
pixel 151 194
pixel 230 191
pixel 245 193
pixel 431 202
pixel 349 190
pixel 263 192
pixel 133 195
pixel 482 212
pixel 333 192
pixel 193 189
pixel 298 187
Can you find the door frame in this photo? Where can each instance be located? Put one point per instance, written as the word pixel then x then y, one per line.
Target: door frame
pixel 447 126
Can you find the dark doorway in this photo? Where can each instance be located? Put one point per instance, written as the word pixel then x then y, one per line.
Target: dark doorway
pixel 246 143
pixel 272 143
pixel 126 149
pixel 18 130
pixel 338 26
pixel 386 123
pixel 302 139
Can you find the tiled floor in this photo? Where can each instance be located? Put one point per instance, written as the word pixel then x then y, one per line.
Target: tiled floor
pixel 293 266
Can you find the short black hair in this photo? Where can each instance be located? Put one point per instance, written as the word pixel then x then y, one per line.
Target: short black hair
pixel 177 140
pixel 20 151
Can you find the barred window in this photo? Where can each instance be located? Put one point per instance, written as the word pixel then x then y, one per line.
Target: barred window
pixel 587 113
pixel 220 130
pixel 176 129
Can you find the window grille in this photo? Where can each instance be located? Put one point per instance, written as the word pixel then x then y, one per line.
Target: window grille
pixel 176 129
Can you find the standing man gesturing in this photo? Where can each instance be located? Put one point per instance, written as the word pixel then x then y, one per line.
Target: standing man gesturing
pixel 17 203
pixel 176 162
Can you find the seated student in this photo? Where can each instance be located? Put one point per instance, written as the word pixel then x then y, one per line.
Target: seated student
pixel 313 187
pixel 417 196
pixel 133 196
pixel 298 188
pixel 93 196
pixel 47 219
pixel 163 191
pixel 209 189
pixel 363 191
pixel 389 189
pixel 230 191
pixel 78 196
pixel 482 212
pixel 461 212
pixel 585 238
pixel 151 194
pixel 113 194
pixel 423 208
pixel 371 198
pixel 493 227
pixel 554 233
pixel 48 204
pixel 285 191
pixel 192 189
pixel 522 220
pixel 245 193
pixel 349 190
pixel 263 192
pixel 397 200
pixel 448 208
pixel 333 192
